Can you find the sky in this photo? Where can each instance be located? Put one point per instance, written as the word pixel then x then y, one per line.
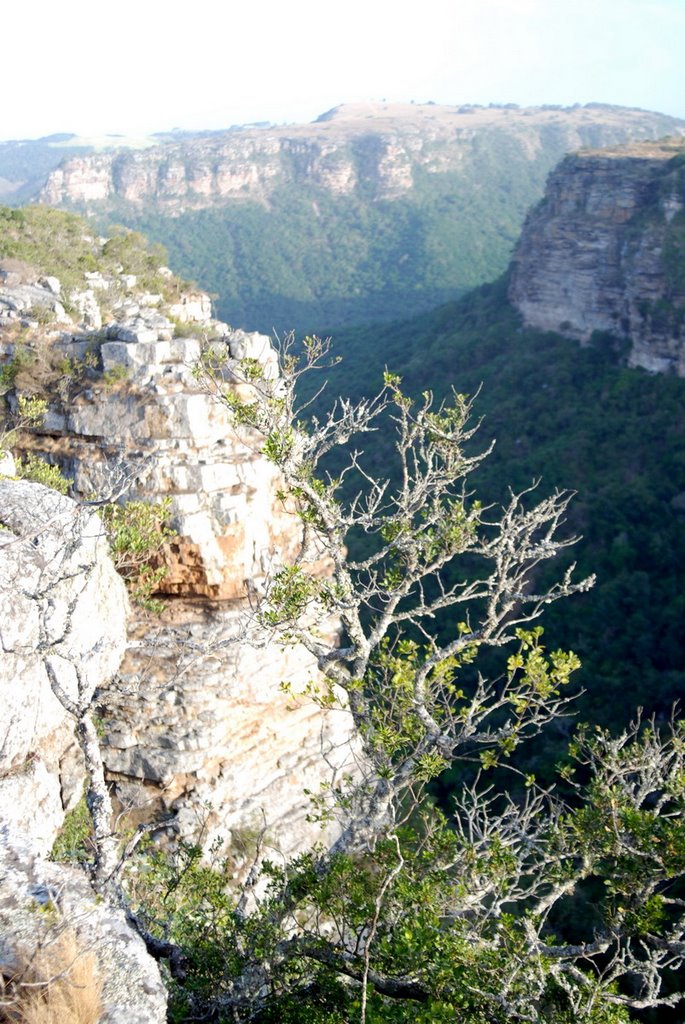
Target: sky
pixel 138 66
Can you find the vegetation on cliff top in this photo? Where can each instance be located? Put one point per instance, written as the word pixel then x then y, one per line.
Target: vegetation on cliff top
pixel 61 244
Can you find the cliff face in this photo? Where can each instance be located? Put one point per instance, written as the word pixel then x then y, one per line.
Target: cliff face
pixel 605 251
pixel 197 732
pixel 375 212
pixel 379 147
pixel 62 607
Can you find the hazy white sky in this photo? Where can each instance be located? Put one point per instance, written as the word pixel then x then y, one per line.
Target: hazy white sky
pixel 136 66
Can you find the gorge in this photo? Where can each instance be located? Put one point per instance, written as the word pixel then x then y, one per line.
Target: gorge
pixel 373 212
pixel 196 733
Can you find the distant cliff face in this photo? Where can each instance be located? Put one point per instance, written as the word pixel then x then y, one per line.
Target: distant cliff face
pixel 373 212
pixel 378 147
pixel 605 251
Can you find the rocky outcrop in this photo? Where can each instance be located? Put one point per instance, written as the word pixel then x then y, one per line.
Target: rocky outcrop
pixel 197 733
pixel 605 251
pixel 52 925
pixel 63 609
pixel 61 606
pixel 175 441
pixel 199 728
pixel 200 734
pixel 380 147
pixel 22 289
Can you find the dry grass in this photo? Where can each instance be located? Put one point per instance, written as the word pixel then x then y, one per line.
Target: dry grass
pixel 56 984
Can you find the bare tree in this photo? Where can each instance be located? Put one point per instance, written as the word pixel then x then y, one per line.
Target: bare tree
pixel 402 692
pixel 456 917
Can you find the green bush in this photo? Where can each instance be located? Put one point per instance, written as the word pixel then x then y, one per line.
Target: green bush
pixel 137 532
pixel 33 467
pixel 73 842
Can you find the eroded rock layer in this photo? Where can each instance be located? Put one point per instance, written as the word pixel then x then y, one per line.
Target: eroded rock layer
pixel 605 251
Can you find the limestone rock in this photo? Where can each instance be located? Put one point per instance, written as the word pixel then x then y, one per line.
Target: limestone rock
pixel 52 283
pixel 87 307
pixel 62 604
pixel 192 308
pixel 231 526
pixel 26 299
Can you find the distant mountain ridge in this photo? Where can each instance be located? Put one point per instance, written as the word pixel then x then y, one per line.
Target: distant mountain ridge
pixel 377 147
pixel 372 212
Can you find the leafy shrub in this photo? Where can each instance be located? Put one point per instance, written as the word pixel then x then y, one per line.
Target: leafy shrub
pixel 40 368
pixel 73 841
pixel 33 467
pixel 22 358
pixel 114 376
pixel 137 533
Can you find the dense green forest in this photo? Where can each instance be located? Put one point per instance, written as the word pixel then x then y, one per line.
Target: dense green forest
pixel 571 417
pixel 312 259
pixel 337 259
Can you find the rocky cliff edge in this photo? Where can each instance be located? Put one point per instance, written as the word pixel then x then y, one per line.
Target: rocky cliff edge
pixel 605 251
pixel 197 733
pixel 62 628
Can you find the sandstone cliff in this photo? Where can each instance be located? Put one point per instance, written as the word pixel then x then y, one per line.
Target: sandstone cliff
pixel 376 146
pixel 605 251
pixel 374 212
pixel 197 733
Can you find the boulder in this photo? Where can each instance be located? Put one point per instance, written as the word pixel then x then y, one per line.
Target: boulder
pixel 63 605
pixel 51 921
pixel 63 608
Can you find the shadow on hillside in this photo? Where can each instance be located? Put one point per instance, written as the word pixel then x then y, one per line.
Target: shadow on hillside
pixel 269 312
